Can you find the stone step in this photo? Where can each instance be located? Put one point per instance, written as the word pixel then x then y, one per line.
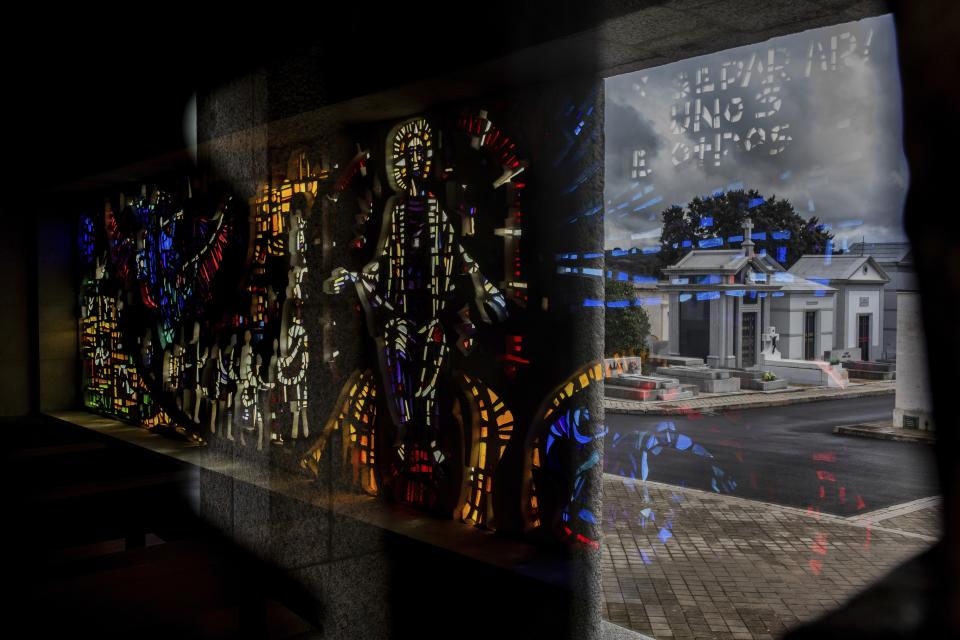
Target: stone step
pixel 753 379
pixel 706 380
pixel 625 381
pixel 813 372
pixel 629 393
pixel 663 360
pixel 721 385
pixel 869 374
pixel 864 365
pixel 759 384
pixel 679 393
pixel 704 373
pixel 643 382
pixel 649 395
pixel 746 374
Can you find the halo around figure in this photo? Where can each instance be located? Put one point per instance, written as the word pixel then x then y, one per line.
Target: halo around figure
pixel 409 154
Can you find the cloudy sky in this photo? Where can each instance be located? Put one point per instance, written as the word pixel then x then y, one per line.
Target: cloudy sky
pixel 813 117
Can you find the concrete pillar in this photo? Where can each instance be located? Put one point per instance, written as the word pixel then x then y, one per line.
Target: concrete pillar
pixel 730 335
pixel 765 305
pixel 674 324
pixel 736 337
pixel 838 313
pixel 878 353
pixel 913 400
pixel 717 329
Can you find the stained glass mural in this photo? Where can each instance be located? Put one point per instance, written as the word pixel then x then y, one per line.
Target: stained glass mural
pixel 419 293
pixel 492 429
pixel 227 321
pixel 567 437
pixel 112 383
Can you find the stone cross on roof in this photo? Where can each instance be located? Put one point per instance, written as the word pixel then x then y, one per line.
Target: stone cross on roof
pixel 747 238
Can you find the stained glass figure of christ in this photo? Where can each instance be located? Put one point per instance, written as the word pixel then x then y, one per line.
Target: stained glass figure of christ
pixel 405 291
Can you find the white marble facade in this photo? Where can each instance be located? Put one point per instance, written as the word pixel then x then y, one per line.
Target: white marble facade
pixel 859 308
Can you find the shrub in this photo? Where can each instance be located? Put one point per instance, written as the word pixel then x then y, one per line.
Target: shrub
pixel 626 328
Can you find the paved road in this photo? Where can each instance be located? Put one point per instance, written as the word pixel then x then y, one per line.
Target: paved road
pixel 786 455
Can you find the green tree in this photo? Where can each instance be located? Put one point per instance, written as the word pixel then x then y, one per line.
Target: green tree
pixel 724 214
pixel 626 327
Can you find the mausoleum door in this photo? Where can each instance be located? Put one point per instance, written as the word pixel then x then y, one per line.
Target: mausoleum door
pixel 863 335
pixel 748 340
pixel 809 335
pixel 694 324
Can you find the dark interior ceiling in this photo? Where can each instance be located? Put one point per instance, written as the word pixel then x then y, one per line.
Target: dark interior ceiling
pixel 85 94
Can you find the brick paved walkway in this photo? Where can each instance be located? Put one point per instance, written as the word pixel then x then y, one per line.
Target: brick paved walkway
pixel 718 566
pixel 748 399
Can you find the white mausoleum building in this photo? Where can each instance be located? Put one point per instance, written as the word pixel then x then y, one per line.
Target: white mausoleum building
pixel 858 316
pixel 728 306
pixel 896 260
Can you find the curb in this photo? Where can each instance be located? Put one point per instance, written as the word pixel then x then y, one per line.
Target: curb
pixel 866 431
pixel 679 409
